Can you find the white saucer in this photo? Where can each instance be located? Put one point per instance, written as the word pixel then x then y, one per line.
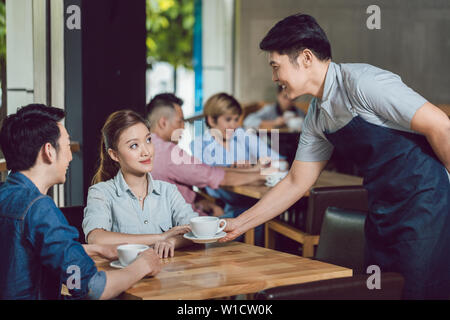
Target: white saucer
pixel 190 236
pixel 116 264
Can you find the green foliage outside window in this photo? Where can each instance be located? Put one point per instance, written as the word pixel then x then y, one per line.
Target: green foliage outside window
pixel 170 29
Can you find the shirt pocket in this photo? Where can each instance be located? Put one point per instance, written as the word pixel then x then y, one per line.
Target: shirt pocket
pixel 128 228
pixel 126 224
pixel 165 225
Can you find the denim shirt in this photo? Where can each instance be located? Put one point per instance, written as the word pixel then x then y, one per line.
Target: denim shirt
pixel 39 248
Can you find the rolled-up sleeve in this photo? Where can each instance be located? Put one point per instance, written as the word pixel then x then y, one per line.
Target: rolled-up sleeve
pixel 97 285
pixel 181 211
pixel 97 214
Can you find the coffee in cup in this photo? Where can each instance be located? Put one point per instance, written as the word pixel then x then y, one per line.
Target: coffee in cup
pixel 129 252
pixel 207 227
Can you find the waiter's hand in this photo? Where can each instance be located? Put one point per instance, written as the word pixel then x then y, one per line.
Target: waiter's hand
pixel 232 229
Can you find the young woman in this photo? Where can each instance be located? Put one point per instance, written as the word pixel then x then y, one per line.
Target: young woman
pixel 125 205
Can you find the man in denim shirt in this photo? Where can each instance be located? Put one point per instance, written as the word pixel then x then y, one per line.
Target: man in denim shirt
pixel 38 247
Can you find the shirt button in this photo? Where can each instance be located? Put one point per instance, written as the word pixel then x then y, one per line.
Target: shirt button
pixel 146 222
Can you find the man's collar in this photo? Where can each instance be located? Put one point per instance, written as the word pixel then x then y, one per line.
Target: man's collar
pixel 20 178
pixel 328 88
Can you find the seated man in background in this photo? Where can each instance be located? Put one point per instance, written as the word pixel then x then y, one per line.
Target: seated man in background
pixel 38 245
pixel 174 165
pixel 273 116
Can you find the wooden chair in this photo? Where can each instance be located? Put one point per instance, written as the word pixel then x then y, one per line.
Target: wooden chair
pixel 348 197
pixel 250 108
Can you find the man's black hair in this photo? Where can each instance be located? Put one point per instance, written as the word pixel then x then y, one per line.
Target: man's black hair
pixel 295 33
pixel 23 134
pixel 162 100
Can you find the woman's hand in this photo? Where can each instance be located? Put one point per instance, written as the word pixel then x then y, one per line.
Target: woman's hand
pixel 176 231
pixel 165 249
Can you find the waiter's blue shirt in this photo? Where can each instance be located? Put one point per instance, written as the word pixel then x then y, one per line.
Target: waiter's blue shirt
pixel 39 248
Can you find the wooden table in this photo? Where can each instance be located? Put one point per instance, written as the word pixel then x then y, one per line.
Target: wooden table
pixel 326 179
pixel 227 269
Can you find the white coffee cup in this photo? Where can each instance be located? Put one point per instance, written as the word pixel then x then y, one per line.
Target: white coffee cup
pixel 128 252
pixel 207 227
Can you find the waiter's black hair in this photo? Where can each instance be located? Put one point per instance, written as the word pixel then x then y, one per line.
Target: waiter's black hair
pixel 294 34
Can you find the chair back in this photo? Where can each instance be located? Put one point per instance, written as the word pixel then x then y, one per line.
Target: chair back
pixel 74 216
pixel 350 288
pixel 347 197
pixel 342 239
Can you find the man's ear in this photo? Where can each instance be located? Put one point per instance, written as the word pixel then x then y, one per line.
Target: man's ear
pixel 48 153
pixel 162 122
pixel 305 58
pixel 113 155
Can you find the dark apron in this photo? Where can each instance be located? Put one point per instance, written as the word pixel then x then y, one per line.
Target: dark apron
pixel 408 225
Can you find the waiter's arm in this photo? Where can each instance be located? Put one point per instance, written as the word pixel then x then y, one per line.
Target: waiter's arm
pixel 433 123
pixel 300 179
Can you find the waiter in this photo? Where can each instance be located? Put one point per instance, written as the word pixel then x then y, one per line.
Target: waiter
pixel 399 141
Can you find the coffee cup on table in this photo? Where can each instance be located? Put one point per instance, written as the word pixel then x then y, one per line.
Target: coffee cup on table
pixel 129 252
pixel 207 227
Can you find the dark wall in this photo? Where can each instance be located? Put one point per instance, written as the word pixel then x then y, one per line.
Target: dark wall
pixel 414 41
pixel 113 68
pixel 73 189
